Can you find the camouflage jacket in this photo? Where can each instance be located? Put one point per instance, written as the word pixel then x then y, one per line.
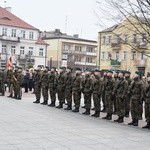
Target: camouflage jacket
pixel 76 84
pixel 61 82
pixel 110 84
pixel 52 81
pixel 69 79
pixel 44 79
pixel 37 79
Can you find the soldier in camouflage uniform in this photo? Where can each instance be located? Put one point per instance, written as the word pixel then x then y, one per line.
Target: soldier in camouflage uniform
pixel 2 82
pixel 86 88
pixel 68 90
pixel 97 92
pixel 37 85
pixel 120 92
pixel 44 85
pixel 61 81
pixel 108 95
pixel 76 88
pixel 136 92
pixel 104 79
pixel 52 86
pixel 10 82
pixel 127 97
pixel 114 97
pixel 19 83
pixel 147 103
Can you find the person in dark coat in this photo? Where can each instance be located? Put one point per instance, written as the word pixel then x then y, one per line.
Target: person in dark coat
pixel 26 81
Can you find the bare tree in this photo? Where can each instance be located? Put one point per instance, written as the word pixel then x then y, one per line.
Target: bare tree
pixel 114 11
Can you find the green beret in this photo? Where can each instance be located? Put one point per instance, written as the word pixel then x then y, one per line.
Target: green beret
pixel 69 68
pixel 78 69
pixel 109 71
pixel 97 70
pixel 53 68
pixel 87 70
pixel 128 72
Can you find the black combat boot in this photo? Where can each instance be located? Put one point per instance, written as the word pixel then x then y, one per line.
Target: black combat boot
pixel 36 102
pixel 109 116
pixel 105 116
pixel 76 109
pixel 60 106
pixel 52 104
pixel 83 107
pixel 117 119
pixel 69 107
pixel 132 122
pixel 136 123
pixel 87 112
pixel 127 114
pixel 44 103
pixel 120 120
pixel 103 110
pixel 97 114
pixel 93 108
pixel 10 96
pixel 146 126
pixel 18 98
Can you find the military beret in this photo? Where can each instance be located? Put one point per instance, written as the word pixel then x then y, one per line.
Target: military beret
pixel 109 71
pixel 78 69
pixel 53 68
pixel 128 72
pixel 69 68
pixel 88 70
pixel 121 71
pixel 61 68
pixel 97 70
pixel 138 72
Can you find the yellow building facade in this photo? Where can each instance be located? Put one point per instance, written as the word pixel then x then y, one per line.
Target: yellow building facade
pixel 65 50
pixel 125 46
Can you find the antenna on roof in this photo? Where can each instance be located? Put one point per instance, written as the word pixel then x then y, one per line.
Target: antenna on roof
pixel 5 3
pixel 66 21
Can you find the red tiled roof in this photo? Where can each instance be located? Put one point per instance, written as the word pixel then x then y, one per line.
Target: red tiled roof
pixel 40 41
pixel 9 19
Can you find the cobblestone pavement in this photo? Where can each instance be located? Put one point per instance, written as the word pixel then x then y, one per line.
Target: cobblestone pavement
pixel 28 126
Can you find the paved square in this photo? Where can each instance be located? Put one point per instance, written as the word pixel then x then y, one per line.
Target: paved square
pixel 28 126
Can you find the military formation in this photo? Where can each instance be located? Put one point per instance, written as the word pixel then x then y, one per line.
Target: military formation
pixel 113 92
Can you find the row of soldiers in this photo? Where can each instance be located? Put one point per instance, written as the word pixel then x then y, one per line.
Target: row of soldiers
pixel 116 90
pixel 13 78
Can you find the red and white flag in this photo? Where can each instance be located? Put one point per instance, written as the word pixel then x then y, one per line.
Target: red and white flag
pixel 9 63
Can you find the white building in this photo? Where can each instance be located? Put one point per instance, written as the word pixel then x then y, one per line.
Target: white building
pixel 21 40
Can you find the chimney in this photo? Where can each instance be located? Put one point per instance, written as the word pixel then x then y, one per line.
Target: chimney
pixel 76 36
pixel 8 9
pixel 57 30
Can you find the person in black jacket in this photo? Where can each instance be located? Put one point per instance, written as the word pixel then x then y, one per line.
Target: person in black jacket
pixel 26 81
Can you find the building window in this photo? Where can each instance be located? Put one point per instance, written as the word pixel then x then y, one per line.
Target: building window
pixel 108 56
pixel 89 49
pixel 23 34
pixel 134 38
pixel 66 47
pixel 133 54
pixel 78 48
pixel 41 52
pixel 22 50
pixel 4 49
pixel 125 38
pixel 103 39
pixel 124 57
pixel 13 49
pixel 142 56
pixel 4 31
pixel 109 39
pixel 89 60
pixel 31 35
pixel 116 55
pixel 78 59
pixel 30 53
pixel 103 55
pixel 13 34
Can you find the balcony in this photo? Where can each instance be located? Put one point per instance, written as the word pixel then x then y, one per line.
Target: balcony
pixel 141 45
pixel 64 51
pixel 91 53
pixel 116 46
pixel 140 63
pixel 79 63
pixel 79 52
pixel 22 57
pixel 115 63
pixel 90 64
pixel 9 38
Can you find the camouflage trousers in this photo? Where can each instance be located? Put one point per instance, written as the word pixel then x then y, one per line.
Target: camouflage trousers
pixel 18 90
pixel 115 101
pixel 103 100
pixel 147 110
pixel 52 92
pixel 87 99
pixel 136 109
pixel 120 106
pixel 127 103
pixel 77 98
pixel 97 100
pixel 45 93
pixel 61 96
pixel 37 92
pixel 2 87
pixel 109 103
pixel 68 96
